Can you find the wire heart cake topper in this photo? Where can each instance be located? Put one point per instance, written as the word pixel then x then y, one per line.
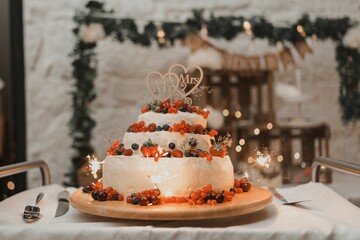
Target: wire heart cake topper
pixel 178 83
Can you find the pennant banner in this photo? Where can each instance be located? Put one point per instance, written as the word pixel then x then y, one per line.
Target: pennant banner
pixel 251 63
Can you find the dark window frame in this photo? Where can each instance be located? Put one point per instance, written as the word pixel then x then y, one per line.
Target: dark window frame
pixel 12 72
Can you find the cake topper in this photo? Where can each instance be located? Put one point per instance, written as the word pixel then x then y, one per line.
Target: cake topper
pixel 178 83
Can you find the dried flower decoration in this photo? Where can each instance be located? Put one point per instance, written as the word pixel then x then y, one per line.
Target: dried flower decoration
pixel 193 142
pixel 199 92
pixel 225 140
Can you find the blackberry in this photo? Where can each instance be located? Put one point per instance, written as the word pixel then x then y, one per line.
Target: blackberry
pixel 188 154
pixel 165 127
pixel 118 152
pixel 183 109
pixel 102 196
pixel 95 194
pixel 164 110
pixel 158 128
pixel 115 197
pixel 219 198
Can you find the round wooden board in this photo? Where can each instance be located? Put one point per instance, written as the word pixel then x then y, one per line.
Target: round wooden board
pixel 243 203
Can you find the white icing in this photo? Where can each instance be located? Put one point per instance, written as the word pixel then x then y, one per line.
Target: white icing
pixel 173 176
pixel 163 139
pixel 171 118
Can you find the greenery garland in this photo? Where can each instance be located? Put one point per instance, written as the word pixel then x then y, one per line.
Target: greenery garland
pixel 227 27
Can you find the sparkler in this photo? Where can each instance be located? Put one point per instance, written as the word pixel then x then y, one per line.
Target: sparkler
pixel 263 159
pixel 94 165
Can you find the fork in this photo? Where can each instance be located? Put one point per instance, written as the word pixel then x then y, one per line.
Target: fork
pixel 283 199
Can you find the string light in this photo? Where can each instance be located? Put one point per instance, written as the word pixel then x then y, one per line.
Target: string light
pixel 238 148
pixel 303 165
pixel 269 126
pixel 247 28
pixel 10 185
pixel 204 33
pixel 94 165
pixel 242 142
pixel 300 30
pixel 297 155
pixel 238 114
pixel 280 158
pixel 226 112
pixel 161 36
pixel 256 131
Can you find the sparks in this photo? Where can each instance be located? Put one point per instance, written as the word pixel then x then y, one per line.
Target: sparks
pixel 94 165
pixel 263 159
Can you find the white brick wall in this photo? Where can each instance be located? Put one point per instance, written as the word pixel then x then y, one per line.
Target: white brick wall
pixel 123 67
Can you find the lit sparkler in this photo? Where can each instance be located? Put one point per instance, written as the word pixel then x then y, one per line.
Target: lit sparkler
pixel 94 165
pixel 262 159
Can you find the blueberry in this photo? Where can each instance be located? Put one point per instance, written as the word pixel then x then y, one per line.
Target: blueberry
pixel 212 141
pixel 133 195
pixel 95 194
pixel 130 129
pixel 102 196
pixel 195 155
pixel 188 154
pixel 165 127
pixel 219 198
pixel 118 152
pixel 171 145
pixel 158 128
pixel 87 189
pixel 135 200
pixel 183 109
pixel 135 146
pixel 121 145
pixel 164 110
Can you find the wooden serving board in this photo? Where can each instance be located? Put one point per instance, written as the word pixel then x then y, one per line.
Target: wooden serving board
pixel 243 203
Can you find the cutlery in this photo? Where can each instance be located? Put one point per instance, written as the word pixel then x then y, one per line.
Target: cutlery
pixel 32 213
pixel 63 203
pixel 283 199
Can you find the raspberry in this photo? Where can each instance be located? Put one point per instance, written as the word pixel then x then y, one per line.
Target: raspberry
pixel 177 153
pixel 152 127
pixel 128 152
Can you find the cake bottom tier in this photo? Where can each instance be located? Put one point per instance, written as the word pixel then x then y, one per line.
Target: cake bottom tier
pixel 173 176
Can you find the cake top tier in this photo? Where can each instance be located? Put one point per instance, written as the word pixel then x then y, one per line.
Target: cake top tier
pixel 165 112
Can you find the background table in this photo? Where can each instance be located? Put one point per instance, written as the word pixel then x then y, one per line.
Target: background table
pixel 327 216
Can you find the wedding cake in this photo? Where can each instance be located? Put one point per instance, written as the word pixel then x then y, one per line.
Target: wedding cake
pixel 174 152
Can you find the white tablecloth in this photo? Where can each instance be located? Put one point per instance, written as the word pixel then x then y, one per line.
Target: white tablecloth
pixel 327 216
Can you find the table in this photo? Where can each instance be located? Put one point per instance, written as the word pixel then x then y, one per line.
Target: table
pixel 327 216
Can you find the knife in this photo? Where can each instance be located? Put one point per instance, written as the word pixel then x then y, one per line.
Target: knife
pixel 63 203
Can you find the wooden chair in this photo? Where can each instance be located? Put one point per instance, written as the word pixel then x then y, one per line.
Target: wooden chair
pixel 248 101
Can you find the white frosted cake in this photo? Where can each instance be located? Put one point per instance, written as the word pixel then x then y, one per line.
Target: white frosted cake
pixel 169 148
